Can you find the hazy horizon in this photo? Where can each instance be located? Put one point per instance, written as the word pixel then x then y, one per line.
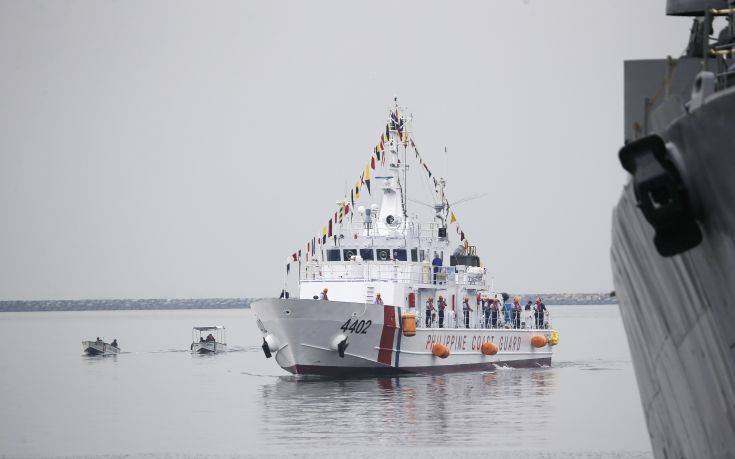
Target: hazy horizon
pixel 185 149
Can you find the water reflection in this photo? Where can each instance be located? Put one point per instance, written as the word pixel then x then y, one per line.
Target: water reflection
pixel 508 407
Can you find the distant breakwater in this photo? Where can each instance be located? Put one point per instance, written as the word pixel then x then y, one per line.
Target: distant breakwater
pixel 125 305
pixel 243 303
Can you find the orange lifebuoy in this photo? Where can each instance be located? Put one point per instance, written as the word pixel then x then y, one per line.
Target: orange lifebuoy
pixel 538 341
pixel 440 350
pixel 489 348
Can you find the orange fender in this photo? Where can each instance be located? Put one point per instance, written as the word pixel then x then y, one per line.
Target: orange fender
pixel 538 341
pixel 489 348
pixel 408 323
pixel 440 350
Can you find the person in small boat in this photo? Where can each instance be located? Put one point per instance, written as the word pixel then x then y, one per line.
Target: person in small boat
pixel 201 339
pixel 466 310
pixel 99 340
pixel 430 310
pixel 210 338
pixel 378 299
pixel 539 313
pixel 516 312
pixel 442 307
pixel 323 295
pixel 114 343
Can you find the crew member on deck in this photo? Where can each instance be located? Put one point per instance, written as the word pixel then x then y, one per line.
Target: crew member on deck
pixel 507 308
pixel 378 299
pixel 442 306
pixel 466 309
pixel 487 304
pixel 517 308
pixel 437 263
pixel 539 313
pixel 430 310
pixel 323 295
pixel 494 309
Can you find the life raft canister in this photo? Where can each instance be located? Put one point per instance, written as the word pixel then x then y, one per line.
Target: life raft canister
pixel 489 348
pixel 554 338
pixel 408 323
pixel 538 341
pixel 440 350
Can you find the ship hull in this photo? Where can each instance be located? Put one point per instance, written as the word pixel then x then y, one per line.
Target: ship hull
pixel 208 347
pixel 304 336
pixel 679 311
pixel 99 348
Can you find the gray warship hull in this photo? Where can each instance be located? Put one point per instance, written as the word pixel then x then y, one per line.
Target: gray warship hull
pixel 673 237
pixel 678 311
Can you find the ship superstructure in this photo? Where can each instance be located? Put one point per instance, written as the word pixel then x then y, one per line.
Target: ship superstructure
pixel 400 296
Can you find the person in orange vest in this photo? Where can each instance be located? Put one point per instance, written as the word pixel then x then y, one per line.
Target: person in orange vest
pixel 430 310
pixel 442 307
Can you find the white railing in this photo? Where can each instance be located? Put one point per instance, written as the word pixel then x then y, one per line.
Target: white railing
pixel 477 320
pixel 391 271
pixel 413 229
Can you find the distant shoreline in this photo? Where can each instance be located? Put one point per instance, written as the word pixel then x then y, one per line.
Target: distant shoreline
pixel 235 303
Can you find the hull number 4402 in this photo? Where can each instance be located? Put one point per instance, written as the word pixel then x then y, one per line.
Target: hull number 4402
pixel 356 326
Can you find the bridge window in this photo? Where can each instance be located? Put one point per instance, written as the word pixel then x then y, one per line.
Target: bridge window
pixel 414 254
pixel 333 255
pixel 399 254
pixel 366 254
pixel 383 254
pixel 348 253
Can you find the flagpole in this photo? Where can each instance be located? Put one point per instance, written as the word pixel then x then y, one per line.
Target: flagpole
pixel 285 277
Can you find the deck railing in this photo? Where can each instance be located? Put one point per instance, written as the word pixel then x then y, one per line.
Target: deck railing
pixel 421 230
pixel 477 320
pixel 391 271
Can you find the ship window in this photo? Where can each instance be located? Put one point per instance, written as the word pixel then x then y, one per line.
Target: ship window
pixel 333 255
pixel 366 254
pixel 383 254
pixel 399 254
pixel 348 253
pixel 423 255
pixel 414 254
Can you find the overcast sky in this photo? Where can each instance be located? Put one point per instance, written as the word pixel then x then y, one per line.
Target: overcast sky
pixel 183 149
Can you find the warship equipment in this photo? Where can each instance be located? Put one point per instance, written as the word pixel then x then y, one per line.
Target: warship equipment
pixel 673 236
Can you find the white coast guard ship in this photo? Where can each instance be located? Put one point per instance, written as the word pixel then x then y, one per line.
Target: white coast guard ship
pixel 378 267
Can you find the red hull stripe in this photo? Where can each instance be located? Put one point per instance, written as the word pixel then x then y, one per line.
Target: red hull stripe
pixel 436 369
pixel 385 354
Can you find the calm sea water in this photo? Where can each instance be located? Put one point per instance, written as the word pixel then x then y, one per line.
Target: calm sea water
pixel 157 399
